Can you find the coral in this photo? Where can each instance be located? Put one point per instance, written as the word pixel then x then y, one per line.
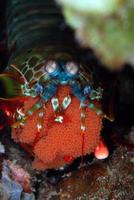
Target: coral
pixel 20 176
pixel 59 143
pixel 16 182
pixel 106 26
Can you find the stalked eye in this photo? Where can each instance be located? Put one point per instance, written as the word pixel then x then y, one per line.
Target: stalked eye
pixel 71 68
pixel 51 66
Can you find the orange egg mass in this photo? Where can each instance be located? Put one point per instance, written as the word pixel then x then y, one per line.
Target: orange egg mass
pixel 57 144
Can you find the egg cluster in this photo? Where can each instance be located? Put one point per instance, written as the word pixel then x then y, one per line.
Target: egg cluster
pixel 57 143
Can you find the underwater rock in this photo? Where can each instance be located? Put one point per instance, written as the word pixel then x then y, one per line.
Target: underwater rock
pixel 111 179
pixel 3 193
pixel 2 148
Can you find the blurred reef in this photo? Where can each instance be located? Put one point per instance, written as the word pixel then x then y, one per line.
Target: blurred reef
pixel 105 26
